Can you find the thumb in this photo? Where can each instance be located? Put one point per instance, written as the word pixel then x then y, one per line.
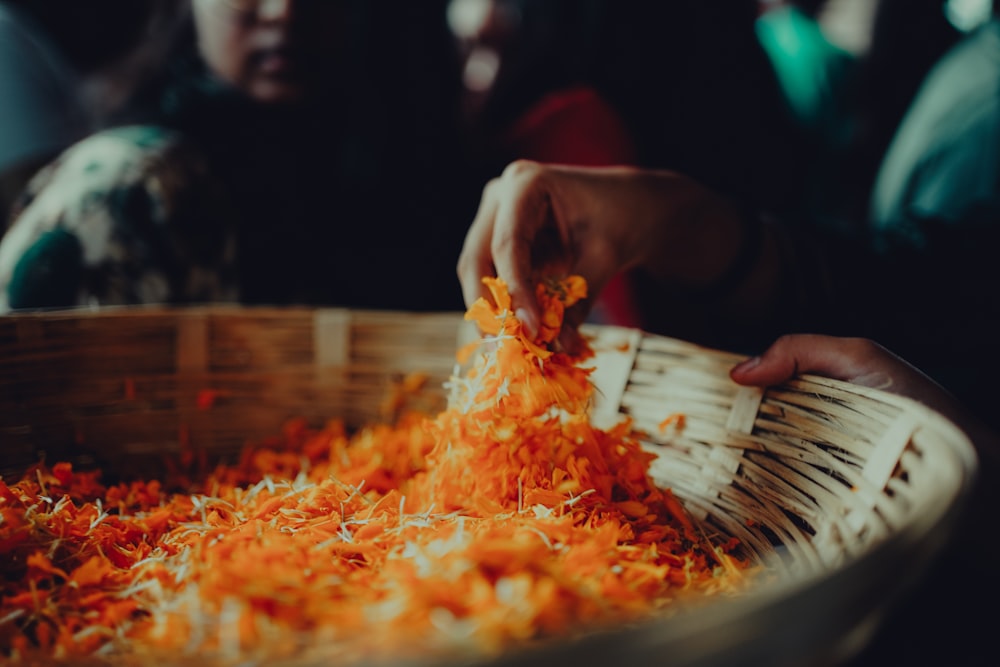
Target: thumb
pixel 795 354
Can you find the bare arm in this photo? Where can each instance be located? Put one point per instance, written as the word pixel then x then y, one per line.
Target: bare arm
pixel 538 220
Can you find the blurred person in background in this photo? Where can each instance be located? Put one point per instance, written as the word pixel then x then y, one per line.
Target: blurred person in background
pixel 687 78
pixel 945 155
pixel 699 94
pixel 849 70
pixel 769 164
pixel 818 79
pixel 528 93
pixel 681 84
pixel 527 84
pixel 908 39
pixel 924 167
pixel 816 71
pixel 283 155
pixel 64 69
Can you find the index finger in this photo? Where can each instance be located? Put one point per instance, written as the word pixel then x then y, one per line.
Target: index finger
pixel 476 260
pixel 855 360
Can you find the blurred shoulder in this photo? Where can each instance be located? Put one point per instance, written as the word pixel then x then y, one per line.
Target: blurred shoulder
pixel 135 205
pixel 109 161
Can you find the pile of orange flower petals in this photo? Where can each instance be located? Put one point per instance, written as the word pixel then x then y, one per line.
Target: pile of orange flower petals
pixel 506 519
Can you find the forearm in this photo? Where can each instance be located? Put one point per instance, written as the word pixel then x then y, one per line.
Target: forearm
pixel 715 254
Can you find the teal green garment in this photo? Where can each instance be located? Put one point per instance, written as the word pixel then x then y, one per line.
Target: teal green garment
pixel 49 272
pixel 945 157
pixel 815 75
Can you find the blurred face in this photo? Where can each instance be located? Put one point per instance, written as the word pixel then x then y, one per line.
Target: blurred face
pixel 482 30
pixel 275 51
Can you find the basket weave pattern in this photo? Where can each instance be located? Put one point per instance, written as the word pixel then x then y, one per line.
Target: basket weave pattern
pixel 817 478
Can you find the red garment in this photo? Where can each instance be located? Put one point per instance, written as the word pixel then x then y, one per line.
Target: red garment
pixel 572 126
pixel 576 126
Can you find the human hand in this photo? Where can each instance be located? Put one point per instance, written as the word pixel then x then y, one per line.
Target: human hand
pixel 539 221
pixel 863 362
pixel 856 360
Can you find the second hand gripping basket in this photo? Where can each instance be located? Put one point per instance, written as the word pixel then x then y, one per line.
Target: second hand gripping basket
pixel 844 492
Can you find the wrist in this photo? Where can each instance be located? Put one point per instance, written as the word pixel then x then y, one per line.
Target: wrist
pixel 701 243
pixel 742 262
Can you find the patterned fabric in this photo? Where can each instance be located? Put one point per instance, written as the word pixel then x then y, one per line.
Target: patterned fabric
pixel 114 221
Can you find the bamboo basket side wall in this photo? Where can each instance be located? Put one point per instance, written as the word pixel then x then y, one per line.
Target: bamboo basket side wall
pixel 122 386
pixel 810 474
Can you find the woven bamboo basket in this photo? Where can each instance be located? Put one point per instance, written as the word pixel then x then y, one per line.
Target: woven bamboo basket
pixel 845 492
